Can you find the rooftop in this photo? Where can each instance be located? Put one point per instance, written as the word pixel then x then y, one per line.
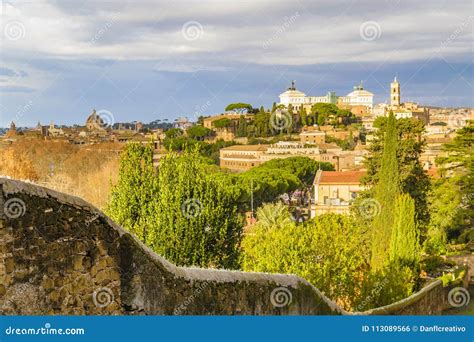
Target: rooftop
pixel 226 115
pixel 246 148
pixel 341 177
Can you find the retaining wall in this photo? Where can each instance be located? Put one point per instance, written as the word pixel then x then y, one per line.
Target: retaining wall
pixel 60 255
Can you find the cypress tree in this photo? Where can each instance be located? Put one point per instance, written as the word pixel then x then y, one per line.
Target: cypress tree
pixel 303 117
pixel 404 246
pixel 242 127
pixel 385 193
pixel 274 107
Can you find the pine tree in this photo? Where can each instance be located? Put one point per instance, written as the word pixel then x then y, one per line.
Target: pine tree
pixel 404 244
pixel 386 192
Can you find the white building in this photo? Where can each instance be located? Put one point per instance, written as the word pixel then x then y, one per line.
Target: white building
pixel 358 97
pixel 298 99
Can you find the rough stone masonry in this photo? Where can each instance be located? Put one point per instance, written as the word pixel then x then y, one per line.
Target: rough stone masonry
pixel 61 256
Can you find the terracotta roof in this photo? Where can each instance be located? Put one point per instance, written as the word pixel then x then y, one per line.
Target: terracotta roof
pixel 341 177
pixel 433 172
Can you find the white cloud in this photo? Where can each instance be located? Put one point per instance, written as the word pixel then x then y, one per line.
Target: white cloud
pixel 262 32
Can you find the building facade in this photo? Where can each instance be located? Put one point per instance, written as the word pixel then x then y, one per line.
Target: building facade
pixel 358 98
pixel 245 157
pixel 335 191
pixel 241 157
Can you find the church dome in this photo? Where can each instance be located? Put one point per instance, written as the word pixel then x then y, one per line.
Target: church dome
pixel 360 92
pixel 94 121
pixel 292 92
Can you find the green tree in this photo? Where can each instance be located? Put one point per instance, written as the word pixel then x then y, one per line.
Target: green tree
pixel 321 112
pixel 242 127
pixel 251 130
pixel 326 251
pixel 303 117
pixel 444 202
pixel 384 287
pixel 386 191
pixel 345 117
pixel 221 123
pixel 411 176
pixel 198 132
pixel 274 107
pixel 173 133
pixel 273 215
pixel 262 119
pixel 181 143
pixel 277 177
pixel 239 107
pixel 200 120
pixel 183 212
pixel 132 197
pixel 265 185
pixel 451 201
pixel 195 215
pixel 404 243
pixel 290 122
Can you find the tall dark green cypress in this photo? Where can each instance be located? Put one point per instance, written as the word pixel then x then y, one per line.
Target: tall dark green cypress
pixel 404 245
pixel 386 192
pixel 242 127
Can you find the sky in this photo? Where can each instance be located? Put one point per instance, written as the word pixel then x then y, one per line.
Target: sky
pixel 155 60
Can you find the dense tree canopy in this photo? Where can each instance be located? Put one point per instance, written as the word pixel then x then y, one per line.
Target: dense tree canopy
pixel 195 215
pixel 452 202
pixel 182 212
pixel 277 177
pixel 173 133
pixel 239 107
pixel 326 251
pixel 222 123
pixel 262 123
pixel 131 202
pixel 198 132
pixel 329 114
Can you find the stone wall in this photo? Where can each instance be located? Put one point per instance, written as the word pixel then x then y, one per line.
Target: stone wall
pixel 465 260
pixel 432 299
pixel 59 255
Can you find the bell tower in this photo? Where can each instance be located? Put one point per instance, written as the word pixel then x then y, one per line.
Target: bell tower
pixel 395 93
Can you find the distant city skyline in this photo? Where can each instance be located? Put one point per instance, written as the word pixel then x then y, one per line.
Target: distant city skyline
pixel 184 60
